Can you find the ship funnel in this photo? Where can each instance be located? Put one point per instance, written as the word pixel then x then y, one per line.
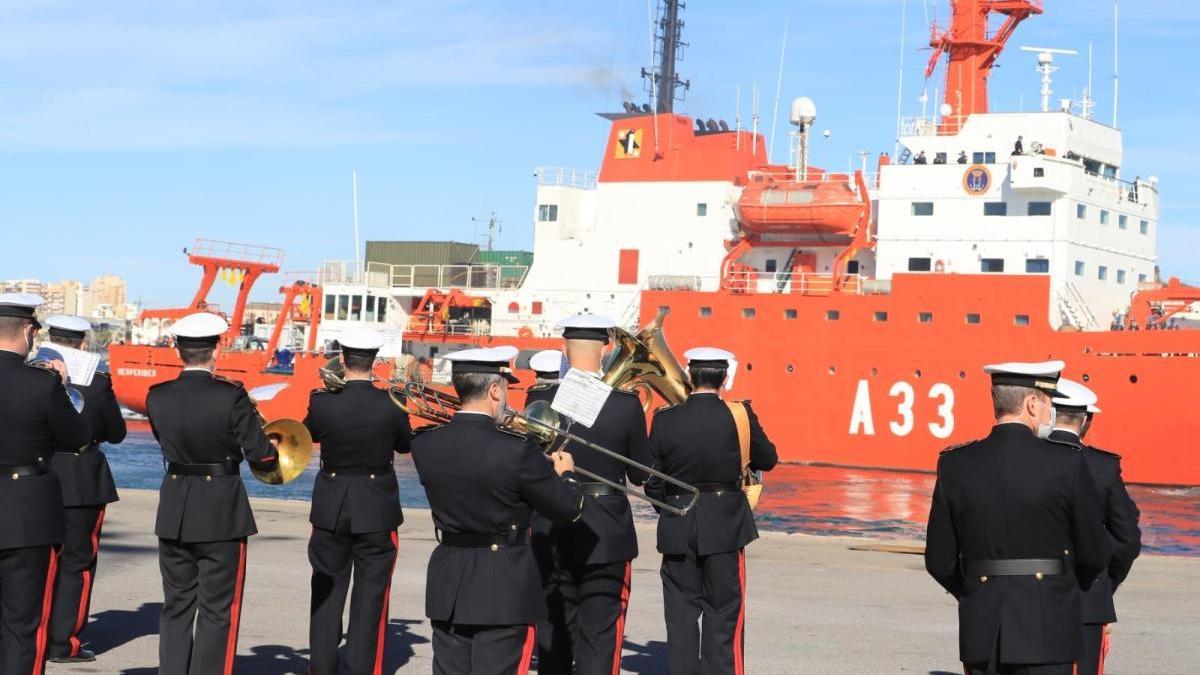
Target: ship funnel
pixel 804 112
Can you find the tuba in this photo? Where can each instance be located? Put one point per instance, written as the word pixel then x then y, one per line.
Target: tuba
pixel 333 374
pixel 644 364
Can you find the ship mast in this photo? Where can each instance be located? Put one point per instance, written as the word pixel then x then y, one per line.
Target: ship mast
pixel 972 53
pixel 664 82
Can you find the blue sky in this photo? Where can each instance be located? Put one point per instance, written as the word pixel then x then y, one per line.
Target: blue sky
pixel 129 128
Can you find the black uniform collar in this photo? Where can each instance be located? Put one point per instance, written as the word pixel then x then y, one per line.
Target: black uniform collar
pixel 1011 430
pixel 474 418
pixel 195 374
pixel 1066 436
pixel 355 383
pixel 4 353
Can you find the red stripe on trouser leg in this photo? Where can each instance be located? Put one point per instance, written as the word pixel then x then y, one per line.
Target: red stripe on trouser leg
pixel 616 668
pixel 738 665
pixel 235 612
pixel 86 594
pixel 1105 645
pixel 383 616
pixel 39 657
pixel 527 651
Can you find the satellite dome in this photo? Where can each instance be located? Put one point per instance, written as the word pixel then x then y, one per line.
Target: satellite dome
pixel 804 111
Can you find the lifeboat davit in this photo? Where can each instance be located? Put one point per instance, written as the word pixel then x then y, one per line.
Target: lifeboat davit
pixel 825 204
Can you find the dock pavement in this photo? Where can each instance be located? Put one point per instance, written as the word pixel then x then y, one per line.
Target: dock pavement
pixel 815 604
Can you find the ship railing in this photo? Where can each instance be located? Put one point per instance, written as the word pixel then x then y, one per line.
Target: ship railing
pixel 766 283
pixel 294 277
pixel 463 277
pixel 228 250
pixel 1134 191
pixel 564 177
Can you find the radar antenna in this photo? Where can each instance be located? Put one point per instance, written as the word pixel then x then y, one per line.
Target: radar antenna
pixel 663 83
pixel 1047 68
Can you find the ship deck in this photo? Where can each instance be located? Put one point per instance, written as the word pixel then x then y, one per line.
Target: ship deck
pixel 816 604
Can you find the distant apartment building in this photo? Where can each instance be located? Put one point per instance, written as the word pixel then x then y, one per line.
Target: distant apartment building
pixel 22 286
pixel 106 298
pixel 65 297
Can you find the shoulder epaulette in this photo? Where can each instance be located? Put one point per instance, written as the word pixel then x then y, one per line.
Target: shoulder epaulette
pixel 541 386
pixel 1065 444
pixel 226 380
pixel 956 446
pixel 665 407
pixel 427 427
pixel 37 365
pixel 1103 451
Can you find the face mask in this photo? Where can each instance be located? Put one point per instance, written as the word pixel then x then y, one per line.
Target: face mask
pixel 1044 430
pixel 503 403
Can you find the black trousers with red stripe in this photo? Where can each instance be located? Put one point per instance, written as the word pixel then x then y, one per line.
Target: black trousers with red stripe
pixel 76 578
pixel 371 556
pixel 481 650
pixel 202 603
pixel 704 604
pixel 1091 661
pixel 26 590
pixel 586 607
pixel 1005 669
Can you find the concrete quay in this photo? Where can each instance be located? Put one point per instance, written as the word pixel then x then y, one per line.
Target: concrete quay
pixel 815 605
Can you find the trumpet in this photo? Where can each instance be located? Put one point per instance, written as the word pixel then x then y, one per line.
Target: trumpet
pixel 545 426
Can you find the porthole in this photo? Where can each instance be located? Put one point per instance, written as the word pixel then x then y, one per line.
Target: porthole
pixel 748 312
pixel 832 315
pixel 749 367
pixel 1133 379
pixel 832 370
pixel 1086 377
pixel 962 374
pixel 791 368
pixel 1021 320
pixel 874 372
pixel 917 373
pixel 789 314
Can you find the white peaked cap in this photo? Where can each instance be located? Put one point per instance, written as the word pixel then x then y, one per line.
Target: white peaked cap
pixel 1042 375
pixel 200 325
pixel 586 321
pixel 546 361
pixel 501 354
pixel 26 300
pixel 700 356
pixel 361 337
pixel 1072 394
pixel 1093 409
pixel 76 324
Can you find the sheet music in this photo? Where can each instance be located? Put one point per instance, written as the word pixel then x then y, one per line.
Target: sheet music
pixel 580 396
pixel 81 365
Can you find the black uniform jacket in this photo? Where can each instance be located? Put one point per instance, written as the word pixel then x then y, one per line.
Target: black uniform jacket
pixel 1121 521
pixel 605 533
pixel 86 478
pixel 36 420
pixel 697 442
pixel 359 429
pixel 1013 495
pixel 202 419
pixel 484 481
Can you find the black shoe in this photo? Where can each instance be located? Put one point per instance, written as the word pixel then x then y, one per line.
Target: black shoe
pixel 84 656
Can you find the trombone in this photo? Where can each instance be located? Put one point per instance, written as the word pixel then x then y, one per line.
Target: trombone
pixel 541 423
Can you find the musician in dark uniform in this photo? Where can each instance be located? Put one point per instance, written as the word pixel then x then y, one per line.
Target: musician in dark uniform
pixel 586 566
pixel 704 555
pixel 1074 409
pixel 546 365
pixel 88 488
pixel 206 425
pixel 36 420
pixel 1015 533
pixel 482 593
pixel 355 510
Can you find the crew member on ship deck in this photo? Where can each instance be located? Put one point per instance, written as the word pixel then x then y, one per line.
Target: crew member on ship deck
pixel 1015 533
pixel 1074 410
pixel 355 510
pixel 586 565
pixel 88 488
pixel 711 444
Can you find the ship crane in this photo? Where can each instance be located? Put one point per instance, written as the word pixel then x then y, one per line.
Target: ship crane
pixel 972 52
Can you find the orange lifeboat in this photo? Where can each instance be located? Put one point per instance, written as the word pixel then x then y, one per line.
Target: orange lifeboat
pixel 826 204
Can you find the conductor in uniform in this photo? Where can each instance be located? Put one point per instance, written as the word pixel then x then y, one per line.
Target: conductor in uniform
pixel 355 510
pixel 482 593
pixel 586 566
pixel 1074 409
pixel 1015 533
pixel 206 425
pixel 703 552
pixel 37 419
pixel 88 488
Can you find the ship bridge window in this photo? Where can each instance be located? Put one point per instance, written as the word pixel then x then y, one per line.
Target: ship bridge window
pixel 983 158
pixel 1039 208
pixel 330 306
pixel 922 208
pixel 1037 266
pixel 1080 267
pixel 1103 217
pixel 547 213
pixel 1144 227
pixel 1102 273
pixel 852 267
pixel 383 303
pixel 1120 276
pixel 370 308
pixel 1039 172
pixel 1081 211
pixel 995 208
pixel 771 266
pixel 1123 222
pixel 919 265
pixel 701 209
pixel 343 307
pixel 1141 278
pixel 356 304
pixel 991 265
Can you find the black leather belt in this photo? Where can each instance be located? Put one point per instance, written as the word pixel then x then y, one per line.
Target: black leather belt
pixel 358 470
pixel 90 446
pixel 1016 567
pixel 15 471
pixel 599 490
pixel 219 469
pixel 475 540
pixel 710 488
